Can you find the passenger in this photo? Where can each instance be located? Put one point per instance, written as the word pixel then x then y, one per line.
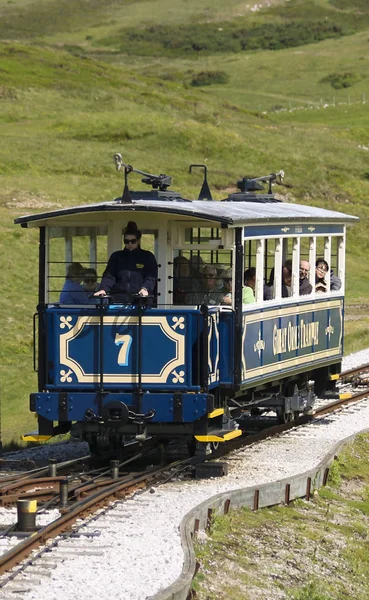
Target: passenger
pixel 305 286
pixel 181 279
pixel 227 286
pixel 271 278
pixel 286 282
pixel 196 272
pixel 336 283
pixel 321 270
pixel 129 271
pixel 90 280
pixel 267 292
pixel 209 293
pixel 196 264
pixel 267 288
pixel 73 291
pixel 286 287
pixel 248 295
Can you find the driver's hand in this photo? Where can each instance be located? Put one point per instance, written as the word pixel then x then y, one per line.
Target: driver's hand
pixel 143 292
pixel 100 293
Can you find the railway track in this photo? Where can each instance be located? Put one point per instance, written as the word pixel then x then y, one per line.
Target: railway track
pixel 91 496
pixel 86 497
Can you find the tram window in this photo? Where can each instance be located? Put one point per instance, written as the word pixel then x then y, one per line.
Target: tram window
pixel 84 245
pixel 261 255
pixel 305 249
pixel 191 280
pixel 270 247
pixel 249 254
pixel 201 235
pixel 56 264
pixel 289 252
pixel 334 254
pixel 319 248
pixel 81 248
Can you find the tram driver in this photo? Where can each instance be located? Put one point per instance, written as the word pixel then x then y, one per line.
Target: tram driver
pixel 129 271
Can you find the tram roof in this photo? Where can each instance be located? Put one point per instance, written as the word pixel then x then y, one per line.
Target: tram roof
pixel 227 213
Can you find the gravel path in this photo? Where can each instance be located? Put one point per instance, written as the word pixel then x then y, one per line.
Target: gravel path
pixel 138 549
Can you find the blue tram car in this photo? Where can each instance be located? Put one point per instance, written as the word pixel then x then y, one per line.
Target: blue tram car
pixel 174 365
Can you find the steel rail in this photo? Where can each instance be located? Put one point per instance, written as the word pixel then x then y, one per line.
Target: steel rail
pixel 356 371
pixel 117 489
pixel 341 402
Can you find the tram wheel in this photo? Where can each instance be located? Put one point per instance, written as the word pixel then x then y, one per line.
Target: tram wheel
pixel 103 450
pixel 283 416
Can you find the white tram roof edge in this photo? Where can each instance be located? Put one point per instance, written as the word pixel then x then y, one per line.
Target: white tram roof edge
pixel 226 213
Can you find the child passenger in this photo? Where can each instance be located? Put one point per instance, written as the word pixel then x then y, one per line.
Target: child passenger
pixel 90 280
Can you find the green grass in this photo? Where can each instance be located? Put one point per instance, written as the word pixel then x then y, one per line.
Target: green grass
pixel 314 550
pixel 64 113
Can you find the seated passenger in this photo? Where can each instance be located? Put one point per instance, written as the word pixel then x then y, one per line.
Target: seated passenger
pixel 336 283
pixel 196 273
pixel 73 291
pixel 209 292
pixel 227 286
pixel 196 264
pixel 267 292
pixel 90 280
pixel 305 286
pixel 286 282
pixel 248 295
pixel 321 270
pixel 181 279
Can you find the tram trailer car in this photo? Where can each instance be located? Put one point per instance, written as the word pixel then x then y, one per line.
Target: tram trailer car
pixel 168 368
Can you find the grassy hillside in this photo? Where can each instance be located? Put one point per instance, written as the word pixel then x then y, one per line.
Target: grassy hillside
pixel 75 87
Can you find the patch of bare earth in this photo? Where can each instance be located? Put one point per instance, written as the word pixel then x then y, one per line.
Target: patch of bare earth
pixel 22 199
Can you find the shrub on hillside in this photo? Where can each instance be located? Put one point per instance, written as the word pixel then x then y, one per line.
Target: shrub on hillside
pixel 74 49
pixel 231 36
pixel 342 80
pixel 209 78
pixel 361 5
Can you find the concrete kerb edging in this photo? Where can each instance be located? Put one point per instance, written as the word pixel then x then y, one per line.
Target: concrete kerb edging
pixel 254 497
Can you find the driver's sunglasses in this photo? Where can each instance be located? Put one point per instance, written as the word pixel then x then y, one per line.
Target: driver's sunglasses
pixel 130 240
pixel 90 280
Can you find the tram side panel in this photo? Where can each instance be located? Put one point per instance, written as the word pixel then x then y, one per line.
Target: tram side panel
pixel 296 338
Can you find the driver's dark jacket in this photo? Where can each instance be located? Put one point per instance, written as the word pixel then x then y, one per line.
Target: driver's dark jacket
pixel 127 272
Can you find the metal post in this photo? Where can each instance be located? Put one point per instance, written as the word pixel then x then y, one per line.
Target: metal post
pixel 63 493
pixel 101 356
pixel 114 469
pixel 238 350
pixel 52 467
pixel 139 354
pixel 204 365
pixel 41 374
pixel 26 511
